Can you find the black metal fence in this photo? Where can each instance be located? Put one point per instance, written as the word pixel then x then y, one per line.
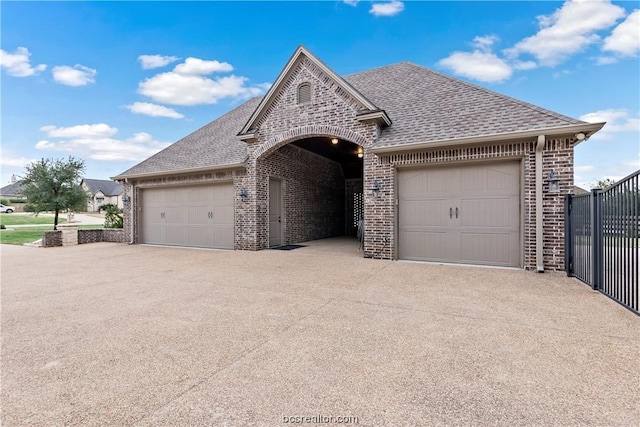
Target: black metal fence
pixel 602 240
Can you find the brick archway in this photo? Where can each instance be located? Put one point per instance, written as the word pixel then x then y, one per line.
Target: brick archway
pixel 277 141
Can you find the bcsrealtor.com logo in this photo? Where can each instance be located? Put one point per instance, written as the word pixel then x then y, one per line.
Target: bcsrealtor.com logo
pixel 319 419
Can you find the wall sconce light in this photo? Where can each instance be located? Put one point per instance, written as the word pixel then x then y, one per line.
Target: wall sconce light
pixel 375 191
pixel 554 182
pixel 126 200
pixel 360 153
pixel 334 141
pixel 244 195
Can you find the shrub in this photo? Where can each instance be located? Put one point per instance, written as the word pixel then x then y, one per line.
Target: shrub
pixel 5 202
pixel 113 216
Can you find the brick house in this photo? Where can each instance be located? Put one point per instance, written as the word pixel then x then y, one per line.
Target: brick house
pixel 440 170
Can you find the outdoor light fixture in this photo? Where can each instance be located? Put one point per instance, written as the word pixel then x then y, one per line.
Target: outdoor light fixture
pixel 244 195
pixel 360 153
pixel 554 182
pixel 126 200
pixel 375 191
pixel 334 141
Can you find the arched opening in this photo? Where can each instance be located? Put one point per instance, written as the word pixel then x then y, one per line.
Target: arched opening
pixel 314 188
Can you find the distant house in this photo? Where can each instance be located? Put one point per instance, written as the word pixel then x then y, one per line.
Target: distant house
pixel 13 191
pixel 102 191
pixel 579 190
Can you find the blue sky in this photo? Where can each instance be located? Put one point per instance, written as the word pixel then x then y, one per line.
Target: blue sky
pixel 114 82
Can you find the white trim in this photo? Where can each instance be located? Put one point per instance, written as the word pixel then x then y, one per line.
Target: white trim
pixel 181 171
pixel 375 115
pixel 301 50
pixel 588 128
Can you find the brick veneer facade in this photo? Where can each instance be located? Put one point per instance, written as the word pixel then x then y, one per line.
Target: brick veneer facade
pixel 315 193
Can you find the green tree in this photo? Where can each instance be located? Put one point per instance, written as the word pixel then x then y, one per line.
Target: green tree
pixel 54 185
pixel 603 183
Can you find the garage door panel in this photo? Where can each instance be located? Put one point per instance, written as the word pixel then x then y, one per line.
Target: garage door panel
pixel 189 216
pixel 489 249
pixel 489 212
pixel 423 245
pixel 198 215
pixel 175 235
pixel 424 213
pixel 421 181
pixel 486 229
pixel 223 215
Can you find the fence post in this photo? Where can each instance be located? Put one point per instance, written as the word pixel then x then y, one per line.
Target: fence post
pixel 597 250
pixel 568 237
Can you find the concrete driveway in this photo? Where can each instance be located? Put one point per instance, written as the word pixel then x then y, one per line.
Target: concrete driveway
pixel 109 334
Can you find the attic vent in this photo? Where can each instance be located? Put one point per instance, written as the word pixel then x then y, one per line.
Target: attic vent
pixel 304 93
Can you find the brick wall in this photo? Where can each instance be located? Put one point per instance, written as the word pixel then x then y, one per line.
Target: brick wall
pixel 312 193
pixel 51 239
pixel 116 235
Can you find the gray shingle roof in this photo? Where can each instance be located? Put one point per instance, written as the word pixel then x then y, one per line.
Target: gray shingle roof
pixel 214 144
pixel 15 189
pixel 428 106
pixel 108 188
pixel 424 106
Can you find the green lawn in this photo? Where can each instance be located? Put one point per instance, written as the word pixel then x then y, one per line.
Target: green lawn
pixel 21 235
pixel 24 219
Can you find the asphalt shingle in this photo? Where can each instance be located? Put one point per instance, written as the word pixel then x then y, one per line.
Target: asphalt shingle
pixel 424 106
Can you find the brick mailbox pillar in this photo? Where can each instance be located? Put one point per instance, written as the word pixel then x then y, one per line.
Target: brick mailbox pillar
pixel 69 234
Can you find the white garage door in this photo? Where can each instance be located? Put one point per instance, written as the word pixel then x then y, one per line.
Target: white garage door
pixel 200 216
pixel 464 214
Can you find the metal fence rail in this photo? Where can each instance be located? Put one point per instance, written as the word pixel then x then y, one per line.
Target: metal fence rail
pixel 602 240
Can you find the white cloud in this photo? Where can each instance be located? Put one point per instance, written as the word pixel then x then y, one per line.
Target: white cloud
pixel 187 85
pixel 153 110
pixel 484 43
pixel 618 120
pixel 606 60
pixel 17 63
pixel 352 2
pixel 149 62
pixel 78 75
pixel 197 66
pixel 478 65
pixel 99 130
pixel 95 142
pixel 569 30
pixel 15 162
pixel 625 38
pixel 391 8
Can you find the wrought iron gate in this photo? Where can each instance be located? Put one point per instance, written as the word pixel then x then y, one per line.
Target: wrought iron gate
pixel 602 240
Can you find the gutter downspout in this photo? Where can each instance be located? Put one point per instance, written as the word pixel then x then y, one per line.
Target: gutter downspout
pixel 133 210
pixel 539 235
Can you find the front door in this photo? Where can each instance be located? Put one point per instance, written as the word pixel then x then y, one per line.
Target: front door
pixel 275 212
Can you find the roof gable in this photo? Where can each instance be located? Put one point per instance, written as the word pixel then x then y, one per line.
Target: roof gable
pixel 368 109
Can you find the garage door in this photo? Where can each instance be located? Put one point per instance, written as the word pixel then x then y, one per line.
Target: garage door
pixel 464 214
pixel 199 216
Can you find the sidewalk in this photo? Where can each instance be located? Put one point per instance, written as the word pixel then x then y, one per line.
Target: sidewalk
pixel 80 219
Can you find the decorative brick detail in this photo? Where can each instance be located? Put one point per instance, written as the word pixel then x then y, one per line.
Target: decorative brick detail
pixel 52 239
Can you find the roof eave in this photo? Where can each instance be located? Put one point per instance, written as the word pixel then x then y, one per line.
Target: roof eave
pixel 230 166
pixel 587 129
pixel 379 117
